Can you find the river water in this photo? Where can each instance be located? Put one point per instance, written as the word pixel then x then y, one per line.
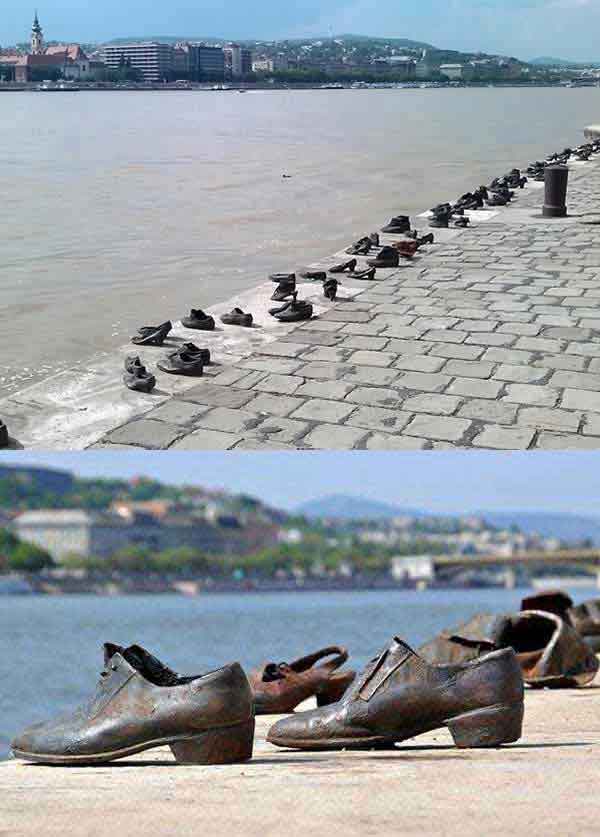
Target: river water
pixel 124 208
pixel 51 647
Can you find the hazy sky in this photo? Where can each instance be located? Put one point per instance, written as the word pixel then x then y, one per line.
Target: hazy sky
pixel 525 28
pixel 440 480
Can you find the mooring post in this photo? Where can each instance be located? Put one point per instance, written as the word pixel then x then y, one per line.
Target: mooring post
pixel 555 192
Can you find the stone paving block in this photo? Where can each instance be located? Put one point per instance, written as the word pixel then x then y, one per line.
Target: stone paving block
pixel 469 368
pixel 477 325
pixel 145 433
pixel 538 396
pixel 424 381
pixel 324 370
pixel 217 396
pixel 434 403
pixel 383 441
pixel 488 410
pixel 566 441
pixel 262 444
pixel 378 418
pixel 229 376
pixel 331 354
pixel 317 409
pixel 284 384
pixel 419 363
pixel 275 405
pixel 591 425
pixel 492 339
pixel 576 380
pixel 281 349
pixel 475 388
pixel 206 440
pixel 459 352
pixel 581 399
pixel 371 375
pixel 521 374
pixel 586 349
pixel 228 420
pixel 409 347
pixel 315 338
pixel 334 437
pixel 248 381
pixel 367 358
pixel 339 315
pixel 566 333
pixel 444 428
pixel 316 325
pixel 504 438
pixel 446 336
pixel 177 412
pixel 507 356
pixel 523 329
pixel 549 419
pixel 567 362
pixel 272 365
pixel 336 390
pixel 375 396
pixel 402 332
pixel 369 343
pixel 538 344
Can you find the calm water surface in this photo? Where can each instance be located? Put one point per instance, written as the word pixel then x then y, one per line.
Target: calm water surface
pixel 125 208
pixel 51 647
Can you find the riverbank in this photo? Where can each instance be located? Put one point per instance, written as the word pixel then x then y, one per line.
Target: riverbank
pixel 426 786
pixel 488 339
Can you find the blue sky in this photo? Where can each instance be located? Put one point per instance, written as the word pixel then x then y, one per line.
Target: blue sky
pixel 525 28
pixel 442 481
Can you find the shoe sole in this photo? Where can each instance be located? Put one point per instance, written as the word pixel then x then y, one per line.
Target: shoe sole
pixel 221 745
pixel 488 727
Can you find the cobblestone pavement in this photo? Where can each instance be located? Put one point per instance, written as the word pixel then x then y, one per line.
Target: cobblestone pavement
pixel 491 340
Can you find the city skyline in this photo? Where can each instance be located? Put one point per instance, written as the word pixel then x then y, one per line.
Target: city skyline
pixel 444 482
pixel 523 28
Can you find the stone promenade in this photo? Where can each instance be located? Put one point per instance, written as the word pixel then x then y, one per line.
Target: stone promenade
pixel 489 341
pixel 490 338
pixel 545 784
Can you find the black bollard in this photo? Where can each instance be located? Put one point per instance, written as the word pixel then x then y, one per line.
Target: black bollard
pixel 555 192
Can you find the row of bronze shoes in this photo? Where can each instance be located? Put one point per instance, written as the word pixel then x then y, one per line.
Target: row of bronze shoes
pixel 469 679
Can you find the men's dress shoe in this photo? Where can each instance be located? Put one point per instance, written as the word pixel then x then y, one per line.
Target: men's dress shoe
pixel 279 688
pixel 400 695
pixel 139 704
pixel 550 652
pixel 585 618
pixel 199 320
pixel 388 257
pixel 237 317
pixel 344 267
pixel 398 224
pixel 3 435
pixel 314 275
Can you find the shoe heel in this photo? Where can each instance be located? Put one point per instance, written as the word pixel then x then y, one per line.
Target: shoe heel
pixel 488 727
pixel 227 745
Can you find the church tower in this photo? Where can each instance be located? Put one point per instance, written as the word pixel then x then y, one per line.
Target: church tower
pixel 37 37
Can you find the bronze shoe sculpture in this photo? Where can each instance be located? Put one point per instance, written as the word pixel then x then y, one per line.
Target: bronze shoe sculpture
pixel 280 687
pixel 139 704
pixel 400 695
pixel 584 617
pixel 550 652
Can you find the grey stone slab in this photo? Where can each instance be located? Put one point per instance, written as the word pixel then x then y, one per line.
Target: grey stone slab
pixel 275 404
pixel 539 344
pixel 549 419
pixel 475 388
pixel 177 412
pixel 278 429
pixel 450 336
pixel 530 394
pixel 568 362
pixel 370 375
pixel 336 390
pixel 424 381
pixel 316 325
pixel 566 441
pixel 368 343
pixel 469 368
pixel 334 437
pixel 444 428
pixel 523 329
pixel 459 352
pixel 229 420
pixel 324 370
pixel 316 338
pixel 512 356
pixel 317 409
pixel 504 438
pixel 331 354
pixel 206 440
pixel 493 339
pixel 375 396
pixel 282 349
pixel 488 410
pixel 379 418
pixel 339 315
pixel 145 433
pixel 217 396
pixel 271 365
pixel 229 376
pixel 367 358
pixel 248 381
pixel 283 384
pixel 384 441
pixel 576 380
pixel 434 403
pixel 521 374
pixel 262 444
pixel 362 329
pixel 419 363
pixel 586 349
pixel 409 347
pixel 591 425
pixel 581 399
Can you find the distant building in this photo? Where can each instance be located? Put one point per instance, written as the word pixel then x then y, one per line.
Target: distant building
pixel 412 568
pixel 200 61
pixel 454 72
pixel 238 61
pixel 153 60
pixel 270 65
pixel 400 64
pixel 67 61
